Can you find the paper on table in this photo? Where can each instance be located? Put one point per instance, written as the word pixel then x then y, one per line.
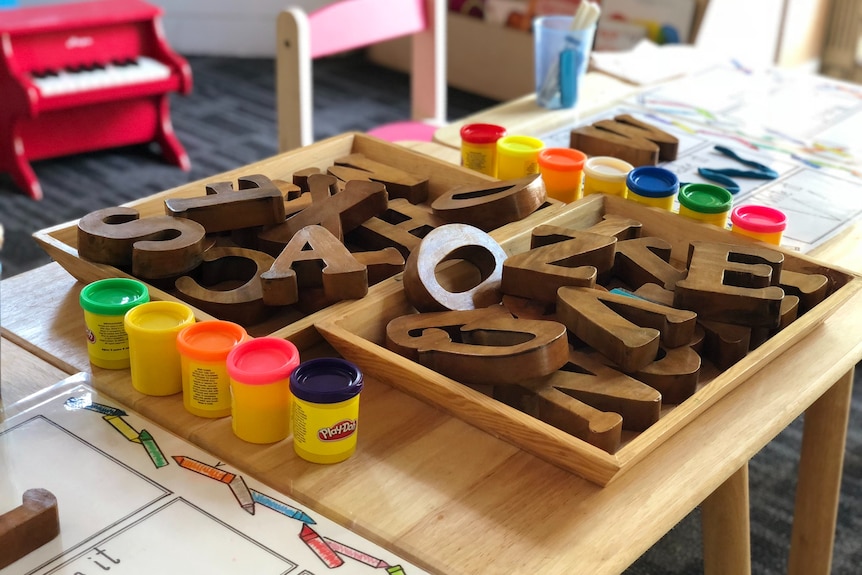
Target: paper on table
pixel 649 63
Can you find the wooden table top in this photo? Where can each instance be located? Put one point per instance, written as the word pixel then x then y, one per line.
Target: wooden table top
pixel 438 491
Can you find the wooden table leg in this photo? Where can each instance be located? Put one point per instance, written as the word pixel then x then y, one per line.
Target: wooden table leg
pixel 820 466
pixel 725 522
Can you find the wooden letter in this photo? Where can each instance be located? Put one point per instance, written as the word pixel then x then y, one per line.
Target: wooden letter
pixel 724 343
pixel 29 526
pixel 489 206
pixel 359 201
pixel 674 373
pixel 381 264
pixel 229 287
pixel 480 346
pixel 257 203
pixel 158 247
pixel 811 289
pixel 624 329
pixel 402 226
pixel 422 285
pixel 399 184
pixel 624 137
pixel 540 272
pixel 645 260
pixel 732 283
pixel 314 258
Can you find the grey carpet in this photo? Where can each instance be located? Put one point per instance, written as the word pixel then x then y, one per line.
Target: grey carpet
pixel 229 121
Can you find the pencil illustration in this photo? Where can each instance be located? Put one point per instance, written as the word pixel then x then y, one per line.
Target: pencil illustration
pixel 281 507
pixel 152 448
pixel 320 548
pixel 236 483
pixel 123 427
pixel 356 554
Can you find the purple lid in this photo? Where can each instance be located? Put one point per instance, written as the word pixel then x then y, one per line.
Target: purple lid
pixel 326 380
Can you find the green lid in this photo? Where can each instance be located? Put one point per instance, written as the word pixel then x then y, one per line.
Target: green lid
pixel 705 198
pixel 113 296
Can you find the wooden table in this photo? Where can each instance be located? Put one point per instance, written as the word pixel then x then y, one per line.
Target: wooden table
pixel 454 499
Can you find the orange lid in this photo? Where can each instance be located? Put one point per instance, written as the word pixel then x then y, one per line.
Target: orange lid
pixel 210 340
pixel 562 159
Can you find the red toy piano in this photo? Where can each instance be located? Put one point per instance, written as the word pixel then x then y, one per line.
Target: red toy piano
pixel 85 76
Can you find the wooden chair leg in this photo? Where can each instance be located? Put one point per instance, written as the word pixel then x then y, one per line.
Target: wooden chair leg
pixel 725 520
pixel 817 491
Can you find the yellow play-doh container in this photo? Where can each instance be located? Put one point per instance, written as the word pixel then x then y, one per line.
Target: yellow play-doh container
pixel 706 203
pixel 517 156
pixel 105 303
pixel 325 409
pixel 155 361
pixel 204 347
pixel 606 175
pixel 259 371
pixel 562 172
pixel 652 186
pixel 760 222
pixel 479 147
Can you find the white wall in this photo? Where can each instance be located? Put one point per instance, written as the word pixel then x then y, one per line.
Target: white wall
pixel 219 27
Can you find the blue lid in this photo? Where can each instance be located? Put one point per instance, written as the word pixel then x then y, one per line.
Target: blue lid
pixel 326 380
pixel 652 182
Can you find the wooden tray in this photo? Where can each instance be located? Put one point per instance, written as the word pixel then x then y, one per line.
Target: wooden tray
pixel 358 333
pixel 60 242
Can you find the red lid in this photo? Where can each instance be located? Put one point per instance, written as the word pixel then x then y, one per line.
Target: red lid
pixel 482 133
pixel 759 219
pixel 262 360
pixel 562 159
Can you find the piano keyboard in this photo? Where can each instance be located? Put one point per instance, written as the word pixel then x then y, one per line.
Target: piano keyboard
pixel 85 78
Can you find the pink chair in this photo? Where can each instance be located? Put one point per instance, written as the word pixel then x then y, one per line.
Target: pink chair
pixel 352 24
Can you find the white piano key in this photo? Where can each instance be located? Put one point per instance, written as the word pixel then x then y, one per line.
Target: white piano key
pixel 67 82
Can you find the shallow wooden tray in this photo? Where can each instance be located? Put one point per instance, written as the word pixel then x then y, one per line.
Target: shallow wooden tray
pixel 60 242
pixel 358 333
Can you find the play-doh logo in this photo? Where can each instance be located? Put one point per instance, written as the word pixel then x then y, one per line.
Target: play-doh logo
pixel 340 430
pixel 91 337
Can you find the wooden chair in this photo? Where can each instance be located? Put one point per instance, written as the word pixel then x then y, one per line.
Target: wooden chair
pixel 352 24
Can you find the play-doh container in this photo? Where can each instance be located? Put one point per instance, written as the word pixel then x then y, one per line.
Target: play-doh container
pixel 204 347
pixel 105 303
pixel 760 222
pixel 606 175
pixel 517 156
pixel 153 354
pixel 562 172
pixel 259 371
pixel 652 186
pixel 479 147
pixel 325 409
pixel 705 202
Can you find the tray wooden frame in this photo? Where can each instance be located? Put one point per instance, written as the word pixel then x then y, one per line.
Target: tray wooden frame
pixel 357 333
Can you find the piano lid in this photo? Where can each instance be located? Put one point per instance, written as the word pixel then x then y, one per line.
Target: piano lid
pixel 70 16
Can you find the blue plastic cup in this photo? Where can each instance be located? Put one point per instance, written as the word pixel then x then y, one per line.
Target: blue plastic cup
pixel 561 59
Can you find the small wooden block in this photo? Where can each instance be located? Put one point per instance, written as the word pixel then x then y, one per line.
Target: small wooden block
pixel 154 248
pixel 646 260
pixel 258 202
pixel 674 373
pixel 811 289
pixel 314 258
pixel 540 272
pixel 724 343
pixel 381 264
pixel 402 226
pixel 489 206
pixel 422 285
pixel 27 527
pixel 359 201
pixel 228 285
pixel 480 346
pixel 732 283
pixel 624 329
pixel 399 184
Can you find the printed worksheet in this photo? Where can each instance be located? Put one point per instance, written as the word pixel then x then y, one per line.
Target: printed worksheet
pixel 134 499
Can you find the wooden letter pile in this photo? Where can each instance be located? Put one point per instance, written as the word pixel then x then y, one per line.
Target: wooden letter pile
pixel 591 330
pixel 248 253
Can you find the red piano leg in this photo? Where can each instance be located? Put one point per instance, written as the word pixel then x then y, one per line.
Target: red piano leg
pixel 172 150
pixel 14 162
